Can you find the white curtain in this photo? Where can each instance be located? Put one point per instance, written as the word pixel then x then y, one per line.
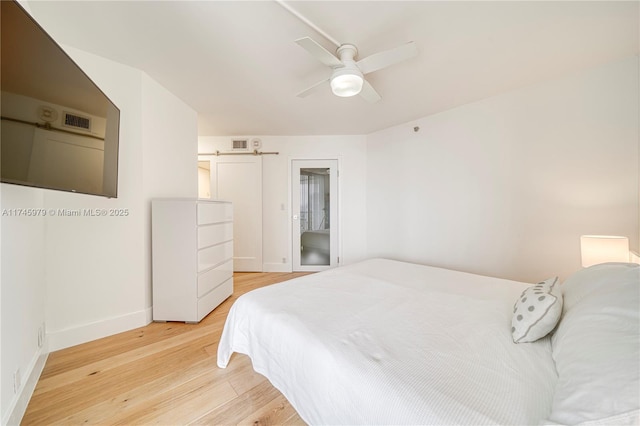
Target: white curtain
pixel 312 202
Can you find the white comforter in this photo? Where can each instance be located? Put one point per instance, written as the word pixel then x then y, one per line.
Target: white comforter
pixel 386 342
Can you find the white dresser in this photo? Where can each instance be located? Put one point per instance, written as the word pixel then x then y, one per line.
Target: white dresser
pixel 192 252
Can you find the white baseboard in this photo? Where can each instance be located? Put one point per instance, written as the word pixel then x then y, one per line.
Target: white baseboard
pixel 276 267
pixel 72 336
pixel 20 401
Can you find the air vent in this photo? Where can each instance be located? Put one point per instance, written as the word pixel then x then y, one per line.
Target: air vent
pixel 77 121
pixel 240 144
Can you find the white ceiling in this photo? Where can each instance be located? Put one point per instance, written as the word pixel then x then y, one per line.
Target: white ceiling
pixel 236 63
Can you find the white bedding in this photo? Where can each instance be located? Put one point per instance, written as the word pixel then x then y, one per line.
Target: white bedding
pixel 386 342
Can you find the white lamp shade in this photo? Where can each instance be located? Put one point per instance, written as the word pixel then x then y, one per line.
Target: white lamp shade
pixel 603 248
pixel 345 82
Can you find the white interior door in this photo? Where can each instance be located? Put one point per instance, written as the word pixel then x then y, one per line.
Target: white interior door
pixel 238 178
pixel 314 196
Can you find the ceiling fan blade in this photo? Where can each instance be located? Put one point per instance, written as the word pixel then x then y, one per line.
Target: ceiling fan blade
pixel 368 93
pixel 388 57
pixel 311 89
pixel 319 52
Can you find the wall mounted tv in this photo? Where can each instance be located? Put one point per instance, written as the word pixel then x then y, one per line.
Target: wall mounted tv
pixel 58 130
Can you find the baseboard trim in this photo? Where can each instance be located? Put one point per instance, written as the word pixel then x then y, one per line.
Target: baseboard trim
pixel 276 267
pixel 72 336
pixel 18 405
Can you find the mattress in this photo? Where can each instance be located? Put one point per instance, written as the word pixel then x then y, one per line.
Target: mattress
pixel 387 342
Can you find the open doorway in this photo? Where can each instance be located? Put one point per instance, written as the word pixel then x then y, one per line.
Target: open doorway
pixel 204 179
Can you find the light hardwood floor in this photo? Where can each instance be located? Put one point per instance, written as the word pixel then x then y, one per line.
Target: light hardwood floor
pixel 163 373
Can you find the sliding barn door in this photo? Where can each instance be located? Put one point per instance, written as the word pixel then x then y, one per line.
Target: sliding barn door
pixel 238 178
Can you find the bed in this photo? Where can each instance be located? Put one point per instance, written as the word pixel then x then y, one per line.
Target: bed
pixel 388 342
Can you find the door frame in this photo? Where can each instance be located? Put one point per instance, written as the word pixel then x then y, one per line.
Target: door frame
pixel 337 257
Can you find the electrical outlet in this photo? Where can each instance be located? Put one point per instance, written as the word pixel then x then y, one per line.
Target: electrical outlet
pixel 284 260
pixel 41 335
pixel 17 381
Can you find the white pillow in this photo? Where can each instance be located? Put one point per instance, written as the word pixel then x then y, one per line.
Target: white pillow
pixel 587 280
pixel 596 346
pixel 537 311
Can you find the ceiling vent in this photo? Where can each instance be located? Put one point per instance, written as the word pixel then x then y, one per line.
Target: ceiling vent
pixel 76 121
pixel 240 145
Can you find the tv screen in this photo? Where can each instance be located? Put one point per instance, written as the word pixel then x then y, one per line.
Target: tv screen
pixel 58 130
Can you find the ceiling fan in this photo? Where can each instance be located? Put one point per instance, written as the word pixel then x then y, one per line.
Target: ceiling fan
pixel 347 78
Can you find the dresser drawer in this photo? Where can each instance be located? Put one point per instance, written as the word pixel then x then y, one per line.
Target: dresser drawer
pixel 209 235
pixel 212 278
pixel 214 212
pixel 214 255
pixel 211 300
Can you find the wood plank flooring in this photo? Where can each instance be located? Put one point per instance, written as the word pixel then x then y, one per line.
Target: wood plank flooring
pixel 163 373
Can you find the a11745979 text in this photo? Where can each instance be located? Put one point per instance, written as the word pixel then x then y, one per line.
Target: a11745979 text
pixel 65 212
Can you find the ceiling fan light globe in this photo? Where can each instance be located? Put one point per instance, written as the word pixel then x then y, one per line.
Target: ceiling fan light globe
pixel 347 84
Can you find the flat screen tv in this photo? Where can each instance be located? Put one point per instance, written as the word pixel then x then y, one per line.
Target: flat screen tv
pixel 58 130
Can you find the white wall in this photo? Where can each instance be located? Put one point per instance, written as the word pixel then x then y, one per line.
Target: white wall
pixel 99 268
pixel 351 152
pixel 506 186
pixel 22 295
pixel 22 309
pixel 170 157
pixel 89 276
pixel 95 270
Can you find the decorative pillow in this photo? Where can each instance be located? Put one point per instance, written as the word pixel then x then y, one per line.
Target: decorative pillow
pixel 537 311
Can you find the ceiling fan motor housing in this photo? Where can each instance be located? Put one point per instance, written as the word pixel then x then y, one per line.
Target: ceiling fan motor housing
pixel 347 52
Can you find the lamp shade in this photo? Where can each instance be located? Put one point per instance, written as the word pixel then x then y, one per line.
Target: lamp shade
pixel 346 82
pixel 603 248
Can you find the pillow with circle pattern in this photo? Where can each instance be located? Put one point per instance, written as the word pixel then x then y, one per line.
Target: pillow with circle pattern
pixel 537 311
